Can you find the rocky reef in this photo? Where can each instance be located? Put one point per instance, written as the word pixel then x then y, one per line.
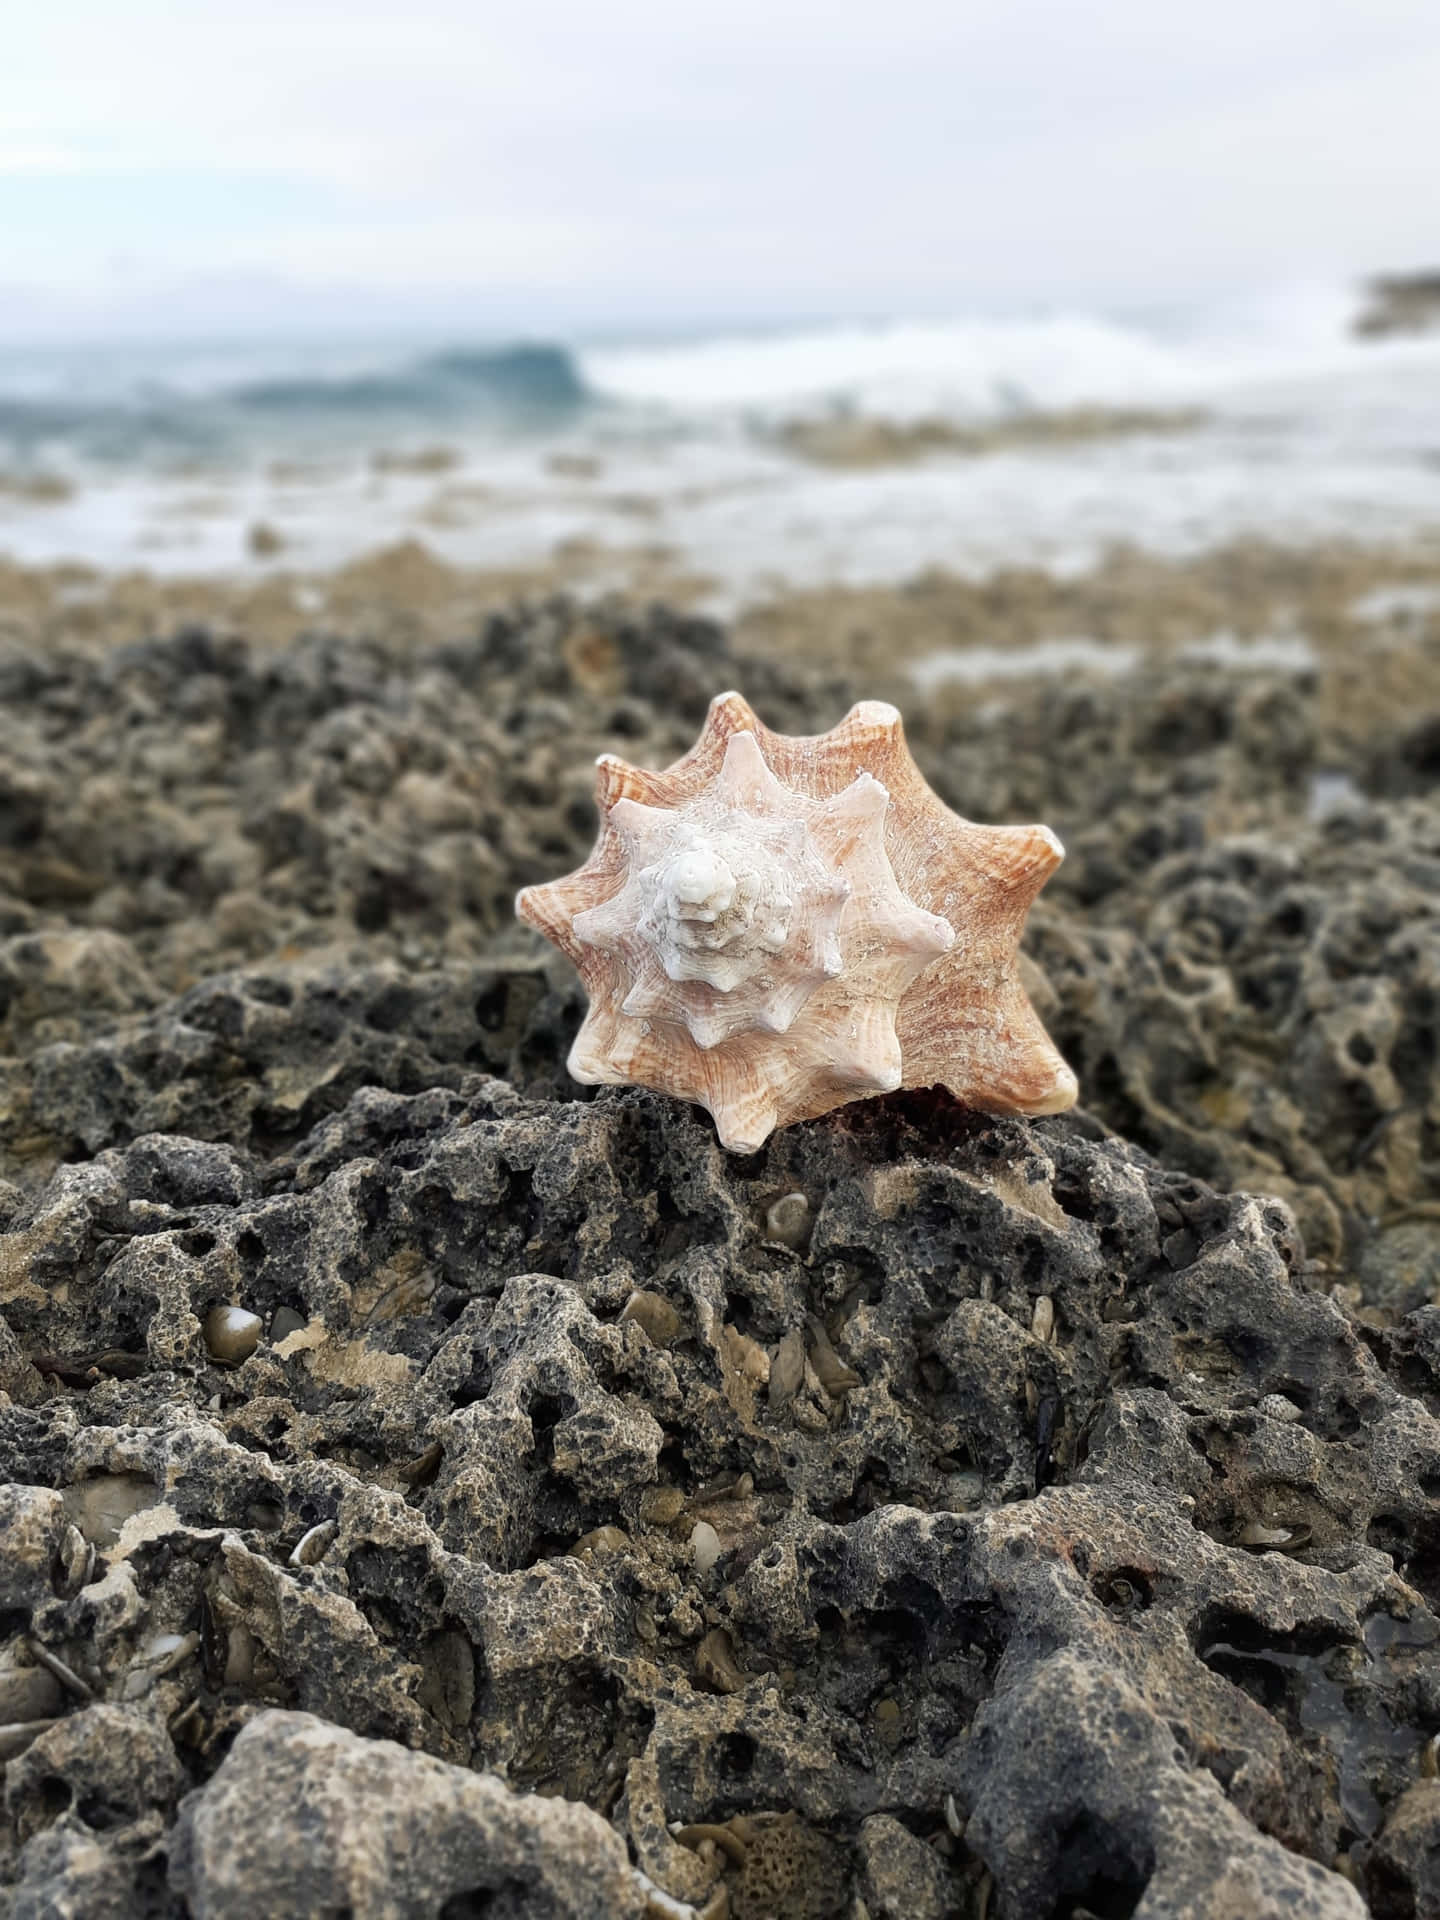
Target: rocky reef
pixel 1400 303
pixel 434 1489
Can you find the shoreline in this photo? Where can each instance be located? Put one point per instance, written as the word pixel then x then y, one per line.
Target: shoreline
pixel 1334 592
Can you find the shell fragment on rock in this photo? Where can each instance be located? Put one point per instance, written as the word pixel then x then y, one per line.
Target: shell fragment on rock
pixel 774 926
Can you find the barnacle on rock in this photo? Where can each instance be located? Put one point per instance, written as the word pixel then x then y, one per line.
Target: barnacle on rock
pixel 776 925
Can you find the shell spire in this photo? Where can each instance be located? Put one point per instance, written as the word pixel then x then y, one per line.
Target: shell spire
pixel 774 926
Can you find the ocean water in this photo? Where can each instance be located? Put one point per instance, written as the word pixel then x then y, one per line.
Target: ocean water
pixel 982 441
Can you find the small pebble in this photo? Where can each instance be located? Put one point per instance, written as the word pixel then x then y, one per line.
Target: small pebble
pixel 1042 1320
pixel 830 1370
pixel 964 1490
pixel 705 1546
pixel 716 1665
pixel 231 1333
pixel 28 1693
pixel 283 1322
pixel 744 1355
pixel 661 1506
pixel 887 1722
pixel 654 1313
pixel 787 1220
pixel 601 1540
pixel 239 1656
pixel 787 1369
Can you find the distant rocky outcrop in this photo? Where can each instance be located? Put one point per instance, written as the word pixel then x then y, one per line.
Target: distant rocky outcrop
pixel 1400 303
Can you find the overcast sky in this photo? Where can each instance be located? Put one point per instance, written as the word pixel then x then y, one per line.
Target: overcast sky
pixel 587 164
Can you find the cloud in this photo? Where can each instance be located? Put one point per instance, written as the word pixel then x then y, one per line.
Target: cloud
pixel 760 156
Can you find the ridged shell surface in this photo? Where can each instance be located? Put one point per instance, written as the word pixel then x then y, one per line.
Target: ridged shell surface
pixel 776 925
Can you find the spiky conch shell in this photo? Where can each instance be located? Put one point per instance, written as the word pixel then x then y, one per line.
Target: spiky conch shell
pixel 777 925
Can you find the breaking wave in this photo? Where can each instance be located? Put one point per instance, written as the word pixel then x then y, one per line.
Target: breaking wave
pixel 138 410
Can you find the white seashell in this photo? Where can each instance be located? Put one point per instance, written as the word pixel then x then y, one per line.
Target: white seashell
pixel 787 1220
pixel 775 926
pixel 314 1544
pixel 160 1654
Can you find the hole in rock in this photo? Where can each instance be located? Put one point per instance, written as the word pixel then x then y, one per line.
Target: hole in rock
pixel 1293 1389
pixel 270 993
pixel 1416 1045
pixel 545 1412
pixel 1072 1192
pixel 1344 1423
pixel 478 1903
pixel 100 1813
pixel 1388 1533
pixel 895 1633
pixel 735 1755
pixel 1249 1347
pixel 1123 1590
pixel 1241 1633
pixel 673 1469
pixel 1101 1873
pixel 474 1387
pixel 55 1796
pixel 491 1007
pixel 1348 1731
pixel 1391 1893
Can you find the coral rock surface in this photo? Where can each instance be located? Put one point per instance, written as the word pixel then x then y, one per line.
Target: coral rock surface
pixel 967 1515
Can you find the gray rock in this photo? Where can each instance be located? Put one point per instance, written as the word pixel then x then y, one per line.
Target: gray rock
pixel 1402 1864
pixel 901 1878
pixel 105 1765
pixel 303 1818
pixel 32 1522
pixel 1143 1827
pixel 67 1872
